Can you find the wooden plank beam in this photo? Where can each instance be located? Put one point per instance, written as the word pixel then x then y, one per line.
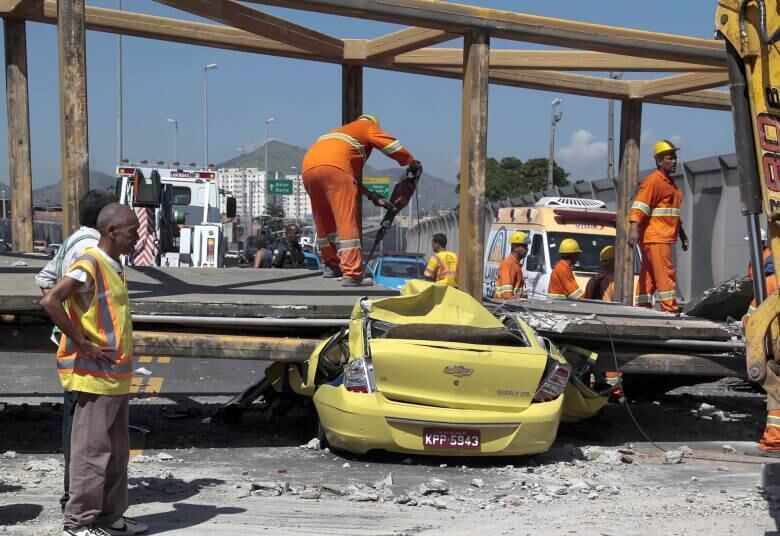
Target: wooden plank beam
pixel 24 8
pixel 351 109
pixel 473 163
pixel 19 134
pixel 263 24
pixel 628 183
pixel 460 18
pixel 551 60
pixel 574 84
pixel 73 110
pixel 706 99
pixel 682 83
pixel 406 40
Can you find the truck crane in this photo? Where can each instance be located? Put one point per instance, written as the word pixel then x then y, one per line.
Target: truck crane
pixel 751 31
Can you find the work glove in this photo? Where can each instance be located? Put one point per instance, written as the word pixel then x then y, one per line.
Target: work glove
pixel 377 200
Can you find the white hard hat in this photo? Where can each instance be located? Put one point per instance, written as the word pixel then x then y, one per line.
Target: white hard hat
pixel 763 236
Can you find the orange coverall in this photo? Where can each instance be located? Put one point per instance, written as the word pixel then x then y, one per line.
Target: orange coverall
pixel 770 440
pixel 562 282
pixel 656 210
pixel 330 170
pixel 510 279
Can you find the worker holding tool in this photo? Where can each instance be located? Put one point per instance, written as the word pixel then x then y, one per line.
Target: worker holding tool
pixel 562 282
pixel 442 267
pixel 602 285
pixel 510 282
pixel 655 225
pixel 330 170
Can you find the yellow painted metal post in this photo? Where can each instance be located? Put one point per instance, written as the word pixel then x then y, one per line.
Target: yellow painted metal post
pixel 473 162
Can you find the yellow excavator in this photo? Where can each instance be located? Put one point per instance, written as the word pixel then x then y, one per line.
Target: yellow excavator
pixel 751 31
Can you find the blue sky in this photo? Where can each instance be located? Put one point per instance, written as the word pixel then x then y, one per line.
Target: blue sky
pixel 164 80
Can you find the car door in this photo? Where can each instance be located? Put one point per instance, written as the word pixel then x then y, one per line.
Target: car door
pixel 537 273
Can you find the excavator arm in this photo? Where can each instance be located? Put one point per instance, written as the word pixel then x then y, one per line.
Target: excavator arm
pixel 751 31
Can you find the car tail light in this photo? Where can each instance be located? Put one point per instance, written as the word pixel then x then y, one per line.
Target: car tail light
pixel 210 243
pixel 554 383
pixel 359 375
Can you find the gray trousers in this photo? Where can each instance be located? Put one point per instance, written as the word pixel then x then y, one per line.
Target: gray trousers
pixel 99 451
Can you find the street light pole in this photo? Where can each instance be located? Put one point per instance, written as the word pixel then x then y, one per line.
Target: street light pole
pixel 206 70
pixel 119 127
pixel 555 117
pixel 268 121
pixel 3 205
pixel 175 139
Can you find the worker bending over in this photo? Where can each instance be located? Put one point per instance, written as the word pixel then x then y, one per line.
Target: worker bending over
pixel 562 281
pixel 655 225
pixel 442 267
pixel 602 285
pixel 510 282
pixel 330 171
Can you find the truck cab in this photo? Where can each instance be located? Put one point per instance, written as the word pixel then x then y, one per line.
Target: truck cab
pixel 547 223
pixel 185 204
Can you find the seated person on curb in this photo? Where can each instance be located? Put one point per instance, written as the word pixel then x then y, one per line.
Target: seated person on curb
pixel 288 252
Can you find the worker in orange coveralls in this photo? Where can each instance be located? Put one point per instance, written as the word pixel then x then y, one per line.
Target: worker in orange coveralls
pixel 330 170
pixel 510 281
pixel 562 282
pixel 655 225
pixel 769 444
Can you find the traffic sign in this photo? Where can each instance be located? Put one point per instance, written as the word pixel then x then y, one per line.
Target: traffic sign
pixel 380 185
pixel 280 187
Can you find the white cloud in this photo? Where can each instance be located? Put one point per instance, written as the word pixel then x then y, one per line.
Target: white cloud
pixel 583 157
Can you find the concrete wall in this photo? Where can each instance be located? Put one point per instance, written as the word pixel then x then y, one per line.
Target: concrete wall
pixel 710 213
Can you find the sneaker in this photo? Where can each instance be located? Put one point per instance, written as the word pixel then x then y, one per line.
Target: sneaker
pixel 331 272
pixel 365 282
pixel 126 525
pixel 86 531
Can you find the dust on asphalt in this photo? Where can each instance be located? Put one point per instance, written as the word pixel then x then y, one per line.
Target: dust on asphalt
pixel 265 475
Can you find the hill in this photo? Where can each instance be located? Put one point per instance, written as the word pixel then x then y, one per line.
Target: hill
pixel 433 191
pixel 53 192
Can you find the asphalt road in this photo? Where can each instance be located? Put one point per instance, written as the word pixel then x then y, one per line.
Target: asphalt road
pixel 201 484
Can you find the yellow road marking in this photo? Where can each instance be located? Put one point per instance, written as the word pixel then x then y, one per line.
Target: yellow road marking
pixel 164 359
pixel 145 359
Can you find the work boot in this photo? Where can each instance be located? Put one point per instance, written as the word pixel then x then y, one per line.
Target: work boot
pixel 331 272
pixel 364 282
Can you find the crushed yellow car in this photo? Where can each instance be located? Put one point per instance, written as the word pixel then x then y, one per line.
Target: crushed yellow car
pixel 433 372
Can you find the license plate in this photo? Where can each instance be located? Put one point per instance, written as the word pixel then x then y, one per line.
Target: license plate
pixel 447 438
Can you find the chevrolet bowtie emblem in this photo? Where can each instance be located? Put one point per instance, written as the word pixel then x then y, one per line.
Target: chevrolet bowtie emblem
pixel 458 370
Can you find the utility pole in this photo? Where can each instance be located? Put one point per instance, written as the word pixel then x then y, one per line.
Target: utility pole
pixel 268 121
pixel 119 96
pixel 555 117
pixel 3 205
pixel 206 70
pixel 611 133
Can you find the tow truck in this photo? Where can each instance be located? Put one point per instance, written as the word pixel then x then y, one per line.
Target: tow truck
pixel 184 204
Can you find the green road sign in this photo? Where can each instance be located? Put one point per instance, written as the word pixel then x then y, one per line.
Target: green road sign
pixel 380 185
pixel 280 187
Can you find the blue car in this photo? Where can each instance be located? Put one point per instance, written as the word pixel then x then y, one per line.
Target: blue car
pixel 310 261
pixel 393 270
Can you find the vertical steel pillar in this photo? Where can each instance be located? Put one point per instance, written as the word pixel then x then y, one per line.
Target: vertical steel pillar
pixel 627 185
pixel 73 110
pixel 19 134
pixel 351 109
pixel 473 162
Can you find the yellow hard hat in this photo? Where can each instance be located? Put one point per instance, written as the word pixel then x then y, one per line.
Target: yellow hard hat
pixel 569 245
pixel 607 254
pixel 371 118
pixel 663 147
pixel 518 237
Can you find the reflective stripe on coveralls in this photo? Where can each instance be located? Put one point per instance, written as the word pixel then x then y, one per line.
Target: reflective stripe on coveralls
pixel 657 274
pixel 562 282
pixel 349 139
pixel 442 267
pixel 509 280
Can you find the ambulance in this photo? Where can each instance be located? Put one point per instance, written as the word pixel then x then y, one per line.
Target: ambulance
pixel 547 223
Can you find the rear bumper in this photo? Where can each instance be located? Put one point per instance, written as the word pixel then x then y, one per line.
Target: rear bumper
pixel 359 422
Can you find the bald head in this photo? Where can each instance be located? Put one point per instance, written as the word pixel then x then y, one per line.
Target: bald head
pixel 118 226
pixel 115 215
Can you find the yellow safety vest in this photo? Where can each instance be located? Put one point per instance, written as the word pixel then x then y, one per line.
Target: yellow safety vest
pixel 108 324
pixel 443 266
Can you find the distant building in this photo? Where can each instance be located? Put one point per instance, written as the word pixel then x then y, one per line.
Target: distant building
pixel 248 186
